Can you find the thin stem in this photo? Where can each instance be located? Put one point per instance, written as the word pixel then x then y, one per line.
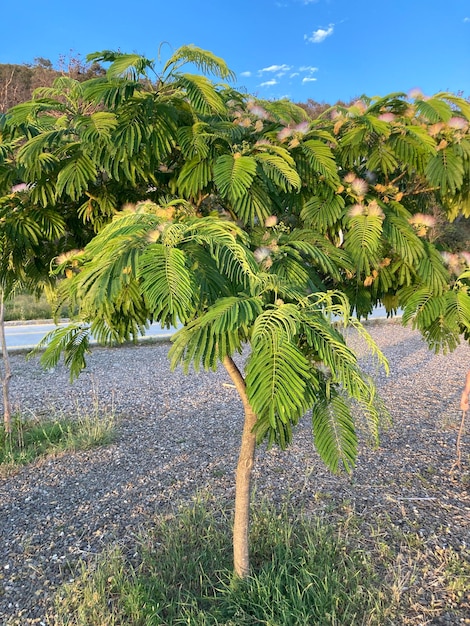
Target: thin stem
pixel 459 438
pixel 6 374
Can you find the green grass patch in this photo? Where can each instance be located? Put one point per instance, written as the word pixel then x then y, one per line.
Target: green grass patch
pixel 305 572
pixel 31 439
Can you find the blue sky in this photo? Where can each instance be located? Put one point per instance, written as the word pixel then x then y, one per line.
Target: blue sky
pixel 320 49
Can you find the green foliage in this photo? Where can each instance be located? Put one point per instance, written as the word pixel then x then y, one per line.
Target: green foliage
pixel 200 93
pixel 334 433
pixel 280 383
pixel 24 306
pixel 242 220
pixel 25 235
pixel 72 340
pixel 323 212
pixel 363 242
pixel 205 61
pixel 446 171
pixel 218 333
pixel 140 267
pixel 233 175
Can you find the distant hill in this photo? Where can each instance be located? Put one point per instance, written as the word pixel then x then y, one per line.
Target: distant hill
pixel 17 82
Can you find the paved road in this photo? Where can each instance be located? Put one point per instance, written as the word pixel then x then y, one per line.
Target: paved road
pixel 27 335
pixel 22 336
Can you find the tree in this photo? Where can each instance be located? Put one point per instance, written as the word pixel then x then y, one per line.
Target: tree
pixel 199 271
pixel 254 226
pixel 406 159
pixel 24 238
pixel 30 235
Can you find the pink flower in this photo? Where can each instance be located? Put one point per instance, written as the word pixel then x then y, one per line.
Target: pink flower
pixel 445 257
pixel 65 256
pixel 259 112
pixel 350 176
pixel 359 187
pixel 421 219
pixel 435 129
pixel 360 105
pixel 373 209
pixel 261 254
pixel 466 257
pixel 387 117
pixel 19 187
pixel 284 133
pixel 453 263
pixel 457 122
pixel 270 221
pixel 356 210
pixel 415 93
pixel 302 128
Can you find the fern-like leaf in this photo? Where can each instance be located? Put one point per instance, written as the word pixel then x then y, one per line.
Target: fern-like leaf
pixel 334 431
pixel 201 94
pixel 218 333
pixel 167 284
pixel 204 60
pixel 233 175
pixel 72 341
pixel 446 171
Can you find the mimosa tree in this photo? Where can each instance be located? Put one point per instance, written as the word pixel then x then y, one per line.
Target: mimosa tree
pixel 251 226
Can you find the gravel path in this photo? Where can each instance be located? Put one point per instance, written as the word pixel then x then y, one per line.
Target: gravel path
pixel 179 434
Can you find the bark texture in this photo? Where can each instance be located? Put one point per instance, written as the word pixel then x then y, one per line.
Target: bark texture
pixel 241 526
pixel 6 373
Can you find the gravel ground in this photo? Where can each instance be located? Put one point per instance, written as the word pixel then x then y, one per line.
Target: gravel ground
pixel 179 434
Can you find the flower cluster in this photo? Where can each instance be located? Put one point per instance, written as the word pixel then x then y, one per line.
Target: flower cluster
pixel 372 209
pixel 422 223
pixel 456 262
pixel 356 186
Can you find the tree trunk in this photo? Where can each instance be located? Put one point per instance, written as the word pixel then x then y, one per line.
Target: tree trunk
pixel 6 374
pixel 241 526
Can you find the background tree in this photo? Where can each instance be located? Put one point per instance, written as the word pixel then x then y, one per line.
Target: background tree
pixel 18 82
pixel 401 161
pixel 25 237
pixel 30 235
pixel 255 226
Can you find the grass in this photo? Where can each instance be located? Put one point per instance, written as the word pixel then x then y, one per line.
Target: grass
pixel 31 439
pixel 307 572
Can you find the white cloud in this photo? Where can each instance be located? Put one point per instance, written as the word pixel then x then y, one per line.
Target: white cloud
pixel 245 74
pixel 277 68
pixel 269 83
pixel 294 74
pixel 320 35
pixel 308 79
pixel 308 68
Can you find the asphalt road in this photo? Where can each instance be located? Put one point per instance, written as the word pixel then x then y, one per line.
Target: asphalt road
pixel 26 335
pixel 22 336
